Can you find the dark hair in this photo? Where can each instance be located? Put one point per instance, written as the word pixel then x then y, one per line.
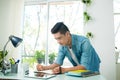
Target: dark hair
pixel 59 27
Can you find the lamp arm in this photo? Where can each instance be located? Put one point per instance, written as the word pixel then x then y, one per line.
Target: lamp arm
pixel 5 48
pixel 4 53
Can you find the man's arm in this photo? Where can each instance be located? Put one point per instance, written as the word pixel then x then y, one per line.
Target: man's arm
pixel 56 68
pixel 63 70
pixel 41 67
pixel 79 67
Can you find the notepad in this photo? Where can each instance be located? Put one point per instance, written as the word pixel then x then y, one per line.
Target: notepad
pixel 81 73
pixel 45 71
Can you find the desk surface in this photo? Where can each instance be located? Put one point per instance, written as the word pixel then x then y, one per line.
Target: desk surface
pixel 57 77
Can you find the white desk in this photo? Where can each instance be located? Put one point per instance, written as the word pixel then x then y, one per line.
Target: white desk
pixel 57 77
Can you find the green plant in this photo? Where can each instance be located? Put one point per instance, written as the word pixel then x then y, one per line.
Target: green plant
pixel 40 55
pixel 87 17
pixel 2 56
pixel 87 2
pixel 30 61
pixel 52 57
pixel 89 35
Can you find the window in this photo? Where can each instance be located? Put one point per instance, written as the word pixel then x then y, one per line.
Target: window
pixel 117 24
pixel 40 17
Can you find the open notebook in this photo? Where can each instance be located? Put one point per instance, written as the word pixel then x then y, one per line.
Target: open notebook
pixel 41 74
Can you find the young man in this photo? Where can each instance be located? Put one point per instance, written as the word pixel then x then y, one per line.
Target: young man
pixel 76 48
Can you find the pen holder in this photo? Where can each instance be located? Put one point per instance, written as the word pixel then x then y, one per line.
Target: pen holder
pixel 14 68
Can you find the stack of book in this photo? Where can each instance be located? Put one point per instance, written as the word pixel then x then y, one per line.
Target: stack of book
pixel 82 73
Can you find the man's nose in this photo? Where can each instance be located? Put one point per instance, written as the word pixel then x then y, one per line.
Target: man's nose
pixel 58 41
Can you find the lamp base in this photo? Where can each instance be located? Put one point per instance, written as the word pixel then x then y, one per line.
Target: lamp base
pixel 6 68
pixel 6 71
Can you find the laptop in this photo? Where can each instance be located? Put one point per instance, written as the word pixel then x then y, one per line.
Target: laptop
pixel 39 75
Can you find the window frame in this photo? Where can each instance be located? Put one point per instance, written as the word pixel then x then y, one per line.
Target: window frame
pixel 47 2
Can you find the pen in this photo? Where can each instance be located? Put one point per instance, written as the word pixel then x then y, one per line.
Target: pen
pixel 17 61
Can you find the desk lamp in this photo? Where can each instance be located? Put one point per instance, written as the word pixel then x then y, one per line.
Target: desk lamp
pixel 15 41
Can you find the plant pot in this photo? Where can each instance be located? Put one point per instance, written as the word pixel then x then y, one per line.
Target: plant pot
pixel 39 60
pixel 51 61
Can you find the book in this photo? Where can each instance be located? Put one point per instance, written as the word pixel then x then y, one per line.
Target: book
pixel 82 73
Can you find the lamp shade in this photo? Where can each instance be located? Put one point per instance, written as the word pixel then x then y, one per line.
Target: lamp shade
pixel 15 40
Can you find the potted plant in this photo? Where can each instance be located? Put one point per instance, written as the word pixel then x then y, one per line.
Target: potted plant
pixel 40 56
pixel 52 57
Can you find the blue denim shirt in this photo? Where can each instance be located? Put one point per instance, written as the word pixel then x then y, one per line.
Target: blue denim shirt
pixel 84 52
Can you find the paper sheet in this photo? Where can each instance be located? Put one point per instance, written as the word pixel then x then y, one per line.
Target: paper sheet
pixel 45 71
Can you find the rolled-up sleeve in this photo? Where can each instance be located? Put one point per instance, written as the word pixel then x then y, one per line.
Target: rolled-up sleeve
pixel 60 56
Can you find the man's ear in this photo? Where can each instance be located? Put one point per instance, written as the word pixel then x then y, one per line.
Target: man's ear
pixel 68 33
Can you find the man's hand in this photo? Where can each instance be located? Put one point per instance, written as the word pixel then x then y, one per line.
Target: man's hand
pixel 39 67
pixel 58 70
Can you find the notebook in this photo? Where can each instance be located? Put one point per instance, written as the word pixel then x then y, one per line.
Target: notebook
pixel 39 75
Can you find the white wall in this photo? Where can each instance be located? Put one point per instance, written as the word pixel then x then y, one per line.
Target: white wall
pixel 10 23
pixel 102 28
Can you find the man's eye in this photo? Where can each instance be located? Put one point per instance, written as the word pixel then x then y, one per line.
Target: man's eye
pixel 59 38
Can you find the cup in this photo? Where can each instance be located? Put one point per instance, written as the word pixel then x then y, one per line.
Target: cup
pixel 14 68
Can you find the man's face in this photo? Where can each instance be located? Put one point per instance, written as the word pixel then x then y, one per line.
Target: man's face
pixel 62 39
